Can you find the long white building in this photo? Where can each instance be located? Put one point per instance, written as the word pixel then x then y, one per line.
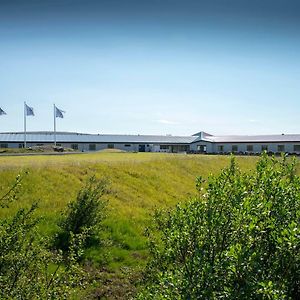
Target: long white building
pixel 201 142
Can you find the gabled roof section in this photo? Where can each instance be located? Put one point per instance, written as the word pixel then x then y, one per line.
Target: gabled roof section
pixel 202 133
pixel 202 136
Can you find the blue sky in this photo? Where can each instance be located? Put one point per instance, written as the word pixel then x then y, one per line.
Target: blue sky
pixel 152 67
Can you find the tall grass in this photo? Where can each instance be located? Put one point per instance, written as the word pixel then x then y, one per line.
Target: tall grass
pixel 139 183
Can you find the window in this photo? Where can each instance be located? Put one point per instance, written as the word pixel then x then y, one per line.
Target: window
pixel 110 146
pixel 127 145
pixel 264 147
pixel 74 146
pixel 201 148
pixel 92 147
pixel 21 145
pixel 3 145
pixel 164 147
pixel 234 148
pixel 297 148
pixel 220 148
pixel 280 148
pixel 184 148
pixel 250 148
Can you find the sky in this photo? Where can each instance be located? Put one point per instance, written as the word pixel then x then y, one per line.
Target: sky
pixel 151 66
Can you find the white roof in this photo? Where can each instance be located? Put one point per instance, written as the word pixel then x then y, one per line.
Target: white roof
pixel 279 138
pixel 72 137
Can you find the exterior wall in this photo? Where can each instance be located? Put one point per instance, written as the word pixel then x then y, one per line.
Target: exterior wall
pixel 155 148
pixel 136 147
pixel 12 145
pixel 257 147
pixel 169 148
pixel 82 147
pixel 101 146
pixel 242 147
pixel 210 147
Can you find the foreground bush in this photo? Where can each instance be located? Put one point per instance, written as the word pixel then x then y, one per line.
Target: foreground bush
pixel 240 239
pixel 84 215
pixel 28 270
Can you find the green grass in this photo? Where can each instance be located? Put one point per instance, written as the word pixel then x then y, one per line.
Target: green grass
pixel 139 184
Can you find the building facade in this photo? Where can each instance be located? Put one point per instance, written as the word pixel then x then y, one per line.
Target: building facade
pixel 201 142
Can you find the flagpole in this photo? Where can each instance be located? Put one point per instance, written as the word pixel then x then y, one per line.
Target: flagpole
pixel 54 117
pixel 24 124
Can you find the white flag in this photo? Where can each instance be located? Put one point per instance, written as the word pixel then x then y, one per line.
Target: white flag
pixel 29 110
pixel 59 113
pixel 2 112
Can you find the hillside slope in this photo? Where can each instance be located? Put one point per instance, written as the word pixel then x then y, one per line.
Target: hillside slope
pixel 139 184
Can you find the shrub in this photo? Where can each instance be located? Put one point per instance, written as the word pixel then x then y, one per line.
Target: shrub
pixel 85 214
pixel 239 239
pixel 27 269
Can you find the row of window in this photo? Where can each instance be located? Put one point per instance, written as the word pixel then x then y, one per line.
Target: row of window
pixel 249 148
pixel 92 147
pixel 234 148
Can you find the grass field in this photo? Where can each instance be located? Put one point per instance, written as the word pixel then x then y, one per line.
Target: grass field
pixel 139 184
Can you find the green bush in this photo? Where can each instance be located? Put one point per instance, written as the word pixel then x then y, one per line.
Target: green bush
pixel 85 214
pixel 27 269
pixel 239 239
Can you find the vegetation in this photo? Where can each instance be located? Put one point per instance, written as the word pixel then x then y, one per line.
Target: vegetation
pixel 239 239
pixel 140 183
pixel 27 269
pixel 84 215
pixel 34 150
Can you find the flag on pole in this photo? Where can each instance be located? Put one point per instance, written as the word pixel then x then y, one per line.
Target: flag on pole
pixel 2 112
pixel 59 113
pixel 29 110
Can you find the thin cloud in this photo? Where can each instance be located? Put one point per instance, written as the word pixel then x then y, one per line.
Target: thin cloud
pixel 168 122
pixel 254 121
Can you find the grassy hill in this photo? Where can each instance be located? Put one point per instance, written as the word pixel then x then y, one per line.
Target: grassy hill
pixel 139 184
